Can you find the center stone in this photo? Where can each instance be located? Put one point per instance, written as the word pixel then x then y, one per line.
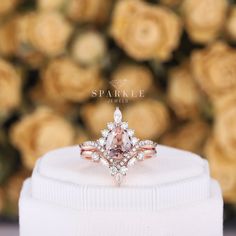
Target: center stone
pixel 118 143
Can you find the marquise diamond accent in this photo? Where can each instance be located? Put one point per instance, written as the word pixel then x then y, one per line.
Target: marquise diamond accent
pixel 118 149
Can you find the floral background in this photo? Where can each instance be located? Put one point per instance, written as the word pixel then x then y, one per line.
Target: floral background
pixel 54 54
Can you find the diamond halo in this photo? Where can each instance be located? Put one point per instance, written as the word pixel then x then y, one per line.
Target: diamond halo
pixel 118 148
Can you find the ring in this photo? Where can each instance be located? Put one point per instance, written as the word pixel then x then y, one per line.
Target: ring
pixel 118 148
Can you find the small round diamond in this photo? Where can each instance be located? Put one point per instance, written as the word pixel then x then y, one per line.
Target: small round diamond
pixel 113 170
pixel 130 132
pixel 124 125
pixel 105 132
pixel 95 156
pixel 101 141
pixel 110 126
pixel 140 156
pixel 123 170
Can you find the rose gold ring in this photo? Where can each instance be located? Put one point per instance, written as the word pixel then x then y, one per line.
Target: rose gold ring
pixel 118 148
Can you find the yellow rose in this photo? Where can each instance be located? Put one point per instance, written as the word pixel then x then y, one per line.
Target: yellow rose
pixel 7 6
pixel 171 3
pixel 50 5
pixel 231 23
pixel 89 48
pixel 64 80
pixel 149 118
pixel 223 169
pixel 97 115
pixel 89 11
pixel 182 93
pixel 10 87
pixel 225 125
pixel 49 32
pixel 134 80
pixel 214 68
pixel 145 31
pixel 8 37
pixel 204 19
pixel 40 132
pixel 180 137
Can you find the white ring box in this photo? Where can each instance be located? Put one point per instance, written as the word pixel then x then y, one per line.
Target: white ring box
pixel 171 194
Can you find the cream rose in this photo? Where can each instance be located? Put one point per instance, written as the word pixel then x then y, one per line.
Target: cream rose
pixel 89 48
pixel 214 68
pixel 231 23
pixel 149 118
pixel 223 169
pixel 180 137
pixel 225 125
pixel 97 115
pixel 89 10
pixel 134 80
pixel 145 31
pixel 7 6
pixel 204 19
pixel 8 31
pixel 64 80
pixel 10 87
pixel 183 94
pixel 40 132
pixel 49 32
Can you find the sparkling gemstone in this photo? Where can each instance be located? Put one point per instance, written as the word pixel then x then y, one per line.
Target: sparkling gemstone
pixel 130 132
pixel 132 161
pixel 117 116
pixel 134 140
pixel 95 156
pixel 105 133
pixel 113 170
pixel 123 170
pixel 124 125
pixel 140 156
pixel 101 141
pixel 118 143
pixel 110 126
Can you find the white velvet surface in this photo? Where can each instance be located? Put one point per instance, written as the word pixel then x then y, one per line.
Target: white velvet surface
pixel 39 218
pixel 169 195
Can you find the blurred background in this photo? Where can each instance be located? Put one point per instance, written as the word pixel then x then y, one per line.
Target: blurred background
pixel 170 65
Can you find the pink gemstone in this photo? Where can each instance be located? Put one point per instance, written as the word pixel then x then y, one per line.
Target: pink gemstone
pixel 118 143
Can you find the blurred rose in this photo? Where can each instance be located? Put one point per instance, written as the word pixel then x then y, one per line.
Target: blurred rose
pixel 223 169
pixel 214 68
pixel 183 94
pixel 7 6
pixel 231 23
pixel 8 37
pixel 10 87
pixel 190 136
pixel 171 3
pixel 50 5
pixel 145 31
pixel 93 11
pixel 149 118
pixel 49 32
pixel 97 115
pixel 133 79
pixel 89 48
pixel 225 125
pixel 204 18
pixel 64 80
pixel 13 189
pixel 2 198
pixel 40 132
